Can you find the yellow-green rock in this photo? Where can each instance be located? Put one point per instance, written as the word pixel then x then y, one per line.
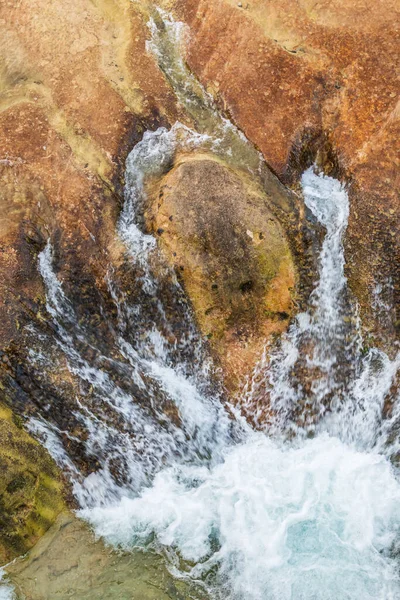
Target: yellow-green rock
pixel 31 491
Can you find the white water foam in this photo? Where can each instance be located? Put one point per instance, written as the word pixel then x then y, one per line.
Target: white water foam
pixel 6 590
pixel 150 157
pixel 278 522
pixel 301 520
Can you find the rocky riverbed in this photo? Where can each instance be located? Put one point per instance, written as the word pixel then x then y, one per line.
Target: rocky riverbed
pixel 155 245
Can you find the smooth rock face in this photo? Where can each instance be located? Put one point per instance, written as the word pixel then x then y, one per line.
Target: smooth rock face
pixel 69 563
pixel 303 77
pixel 231 254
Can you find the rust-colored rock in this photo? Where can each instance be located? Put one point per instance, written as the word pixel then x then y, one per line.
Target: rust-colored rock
pixel 298 77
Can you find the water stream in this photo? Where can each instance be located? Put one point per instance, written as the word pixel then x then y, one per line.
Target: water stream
pixel 273 517
pixel 303 506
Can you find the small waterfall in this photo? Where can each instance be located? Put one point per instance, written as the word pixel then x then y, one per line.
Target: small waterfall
pixel 245 513
pixel 306 505
pixel 273 518
pixel 147 437
pixel 177 417
pixel 319 379
pixel 311 369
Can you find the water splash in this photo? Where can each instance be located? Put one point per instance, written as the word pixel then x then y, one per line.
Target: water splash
pixel 270 522
pixel 319 379
pixel 147 437
pixel 319 355
pixel 273 519
pixel 150 157
pixel 261 517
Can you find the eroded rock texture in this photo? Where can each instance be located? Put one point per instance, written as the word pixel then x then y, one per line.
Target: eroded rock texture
pixel 78 88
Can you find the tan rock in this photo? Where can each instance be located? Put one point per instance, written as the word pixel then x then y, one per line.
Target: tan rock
pixel 70 562
pixel 231 254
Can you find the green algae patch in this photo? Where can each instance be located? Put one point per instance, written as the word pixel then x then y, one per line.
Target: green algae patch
pixel 31 491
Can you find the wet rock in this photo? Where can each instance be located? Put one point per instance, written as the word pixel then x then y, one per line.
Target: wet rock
pixel 232 256
pixel 31 491
pixel 69 562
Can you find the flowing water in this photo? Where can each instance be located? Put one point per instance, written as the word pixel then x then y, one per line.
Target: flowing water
pixel 274 515
pixel 305 504
pixel 6 590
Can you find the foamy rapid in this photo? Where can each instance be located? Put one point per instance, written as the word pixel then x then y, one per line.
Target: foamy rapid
pixel 272 522
pixel 273 519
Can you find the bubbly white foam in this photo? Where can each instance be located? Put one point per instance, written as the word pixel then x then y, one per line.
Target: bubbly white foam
pixel 315 520
pixel 150 157
pixel 6 590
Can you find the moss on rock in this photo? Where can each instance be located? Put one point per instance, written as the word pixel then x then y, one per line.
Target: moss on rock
pixel 31 491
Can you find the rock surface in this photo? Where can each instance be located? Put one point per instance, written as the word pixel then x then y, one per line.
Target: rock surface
pixel 77 89
pixel 69 563
pixel 306 78
pixel 231 254
pixel 30 488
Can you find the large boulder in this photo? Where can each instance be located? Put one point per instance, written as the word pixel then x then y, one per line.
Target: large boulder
pixel 230 252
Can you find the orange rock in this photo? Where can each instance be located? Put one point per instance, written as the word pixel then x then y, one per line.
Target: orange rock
pixel 298 77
